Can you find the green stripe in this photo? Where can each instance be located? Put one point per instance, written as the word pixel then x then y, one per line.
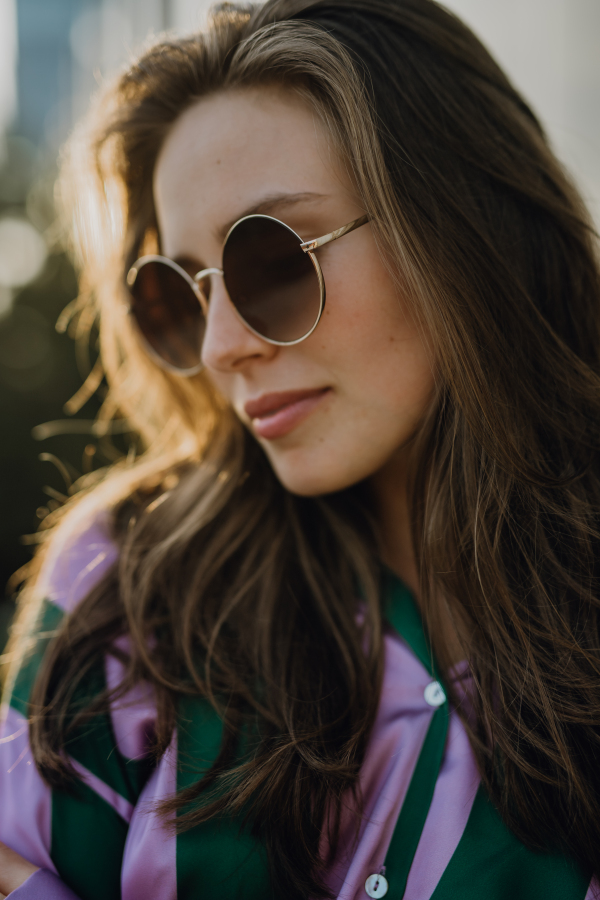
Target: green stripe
pixel 404 617
pixel 50 619
pixel 219 858
pixel 93 745
pixel 88 840
pixel 415 808
pixel 88 835
pixel 491 863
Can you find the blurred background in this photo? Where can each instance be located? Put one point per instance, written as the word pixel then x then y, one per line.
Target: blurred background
pixel 53 55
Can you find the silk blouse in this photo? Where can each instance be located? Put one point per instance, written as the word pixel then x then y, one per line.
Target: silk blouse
pixel 107 842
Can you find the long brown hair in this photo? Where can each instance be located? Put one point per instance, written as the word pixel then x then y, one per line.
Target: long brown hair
pixel 251 589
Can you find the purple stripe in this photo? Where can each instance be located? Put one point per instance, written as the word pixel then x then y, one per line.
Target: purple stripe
pixel 594 891
pixel 453 798
pixel 134 715
pixel 398 734
pixel 25 799
pixel 79 556
pixel 43 885
pixel 149 860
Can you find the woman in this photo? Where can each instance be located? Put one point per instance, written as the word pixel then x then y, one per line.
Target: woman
pixel 335 633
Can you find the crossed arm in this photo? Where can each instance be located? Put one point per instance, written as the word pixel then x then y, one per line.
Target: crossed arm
pixel 14 870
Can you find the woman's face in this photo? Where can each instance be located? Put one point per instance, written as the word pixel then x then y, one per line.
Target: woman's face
pixel 336 408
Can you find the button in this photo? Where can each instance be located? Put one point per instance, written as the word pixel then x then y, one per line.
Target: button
pixel 434 694
pixel 376 886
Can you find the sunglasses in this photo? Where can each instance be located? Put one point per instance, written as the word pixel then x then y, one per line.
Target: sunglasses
pixel 273 279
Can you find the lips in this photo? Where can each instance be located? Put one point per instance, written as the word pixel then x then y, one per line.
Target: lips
pixel 274 415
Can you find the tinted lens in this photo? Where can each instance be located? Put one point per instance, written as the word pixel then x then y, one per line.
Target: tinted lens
pixel 168 314
pixel 271 281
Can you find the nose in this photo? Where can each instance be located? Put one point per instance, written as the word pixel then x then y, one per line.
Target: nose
pixel 228 344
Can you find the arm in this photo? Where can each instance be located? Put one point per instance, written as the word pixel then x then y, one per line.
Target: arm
pixel 24 881
pixel 35 818
pixel 14 870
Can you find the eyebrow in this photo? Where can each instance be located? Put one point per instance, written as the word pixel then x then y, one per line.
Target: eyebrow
pixel 268 203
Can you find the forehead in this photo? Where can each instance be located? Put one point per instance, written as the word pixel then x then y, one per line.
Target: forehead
pixel 233 149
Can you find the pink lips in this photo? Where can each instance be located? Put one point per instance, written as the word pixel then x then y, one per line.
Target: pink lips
pixel 274 415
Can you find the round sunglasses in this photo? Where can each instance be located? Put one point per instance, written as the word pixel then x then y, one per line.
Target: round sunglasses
pixel 273 279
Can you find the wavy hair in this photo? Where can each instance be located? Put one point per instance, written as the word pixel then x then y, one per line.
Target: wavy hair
pixel 250 586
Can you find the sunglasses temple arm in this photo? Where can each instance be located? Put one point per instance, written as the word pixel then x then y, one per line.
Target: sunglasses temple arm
pixel 308 246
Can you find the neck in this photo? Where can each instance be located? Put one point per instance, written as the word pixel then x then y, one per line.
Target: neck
pixel 390 486
pixel 391 494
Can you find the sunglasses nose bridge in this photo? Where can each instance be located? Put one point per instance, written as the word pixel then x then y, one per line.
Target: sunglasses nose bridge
pixel 198 279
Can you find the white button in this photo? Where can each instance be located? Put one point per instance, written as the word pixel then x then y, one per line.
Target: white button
pixel 434 694
pixel 376 886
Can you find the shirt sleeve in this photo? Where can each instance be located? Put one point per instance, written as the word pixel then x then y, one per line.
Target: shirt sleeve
pixel 43 885
pixel 76 560
pixel 101 819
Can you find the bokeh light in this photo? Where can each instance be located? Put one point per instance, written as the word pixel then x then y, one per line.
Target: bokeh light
pixel 22 252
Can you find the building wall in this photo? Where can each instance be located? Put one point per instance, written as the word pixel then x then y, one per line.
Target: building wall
pixel 44 67
pixel 551 51
pixel 8 66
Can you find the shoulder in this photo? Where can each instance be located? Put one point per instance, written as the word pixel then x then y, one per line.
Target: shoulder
pixel 79 555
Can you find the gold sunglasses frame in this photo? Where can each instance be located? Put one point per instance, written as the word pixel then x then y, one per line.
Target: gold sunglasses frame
pixel 194 282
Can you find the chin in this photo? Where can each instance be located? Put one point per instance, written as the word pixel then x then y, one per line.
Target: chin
pixel 312 478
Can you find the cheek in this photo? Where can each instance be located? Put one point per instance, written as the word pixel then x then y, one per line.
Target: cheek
pixel 371 335
pixel 383 382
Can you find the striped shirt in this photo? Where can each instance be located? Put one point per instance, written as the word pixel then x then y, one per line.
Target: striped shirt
pixel 107 842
